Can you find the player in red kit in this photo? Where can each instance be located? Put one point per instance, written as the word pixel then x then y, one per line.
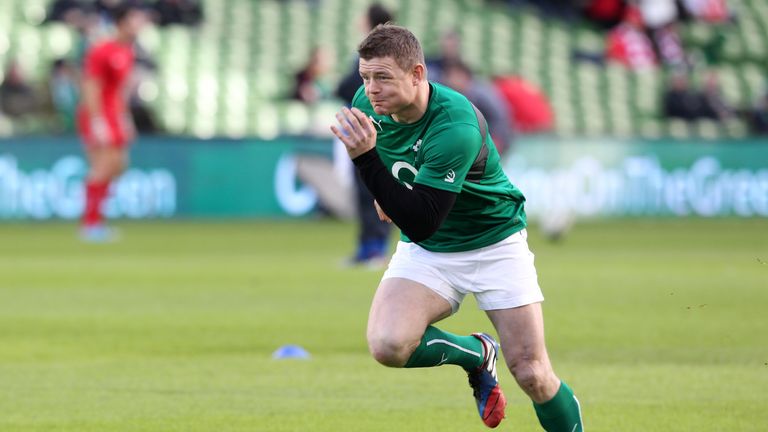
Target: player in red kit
pixel 104 119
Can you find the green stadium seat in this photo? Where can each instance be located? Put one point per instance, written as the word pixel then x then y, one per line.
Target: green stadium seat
pixel 708 129
pixel 294 117
pixel 679 129
pixel 6 126
pixel 651 128
pixel 264 121
pixel 736 128
pixel 322 115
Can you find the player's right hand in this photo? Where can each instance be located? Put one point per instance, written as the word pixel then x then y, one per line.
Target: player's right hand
pixel 382 216
pixel 355 130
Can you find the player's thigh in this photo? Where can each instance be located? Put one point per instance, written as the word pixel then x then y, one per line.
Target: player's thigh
pixel 521 334
pixel 402 309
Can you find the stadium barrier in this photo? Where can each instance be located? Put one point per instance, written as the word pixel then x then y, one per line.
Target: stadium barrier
pixel 605 178
pixel 41 178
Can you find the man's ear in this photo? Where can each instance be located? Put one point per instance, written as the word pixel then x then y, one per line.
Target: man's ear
pixel 419 73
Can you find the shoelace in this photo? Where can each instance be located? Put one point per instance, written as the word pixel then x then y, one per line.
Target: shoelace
pixel 474 382
pixel 474 377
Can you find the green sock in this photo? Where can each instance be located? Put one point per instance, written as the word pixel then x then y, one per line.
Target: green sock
pixel 438 347
pixel 562 413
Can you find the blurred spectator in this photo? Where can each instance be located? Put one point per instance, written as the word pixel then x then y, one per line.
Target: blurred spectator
pixel 559 9
pixel 628 43
pixel 682 100
pixel 347 87
pixel 669 45
pixel 450 51
pixel 103 116
pixel 309 86
pixel 657 13
pixel 185 12
pixel 530 109
pixel 715 106
pixel 606 13
pixel 714 11
pixel 457 75
pixel 373 234
pixel 17 97
pixel 660 18
pixel 107 8
pixel 757 116
pixel 66 10
pixel 64 91
pixel 334 193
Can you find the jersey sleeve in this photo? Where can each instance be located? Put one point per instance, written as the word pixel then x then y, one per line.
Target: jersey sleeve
pixel 448 155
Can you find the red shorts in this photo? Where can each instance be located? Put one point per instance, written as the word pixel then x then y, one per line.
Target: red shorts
pixel 116 131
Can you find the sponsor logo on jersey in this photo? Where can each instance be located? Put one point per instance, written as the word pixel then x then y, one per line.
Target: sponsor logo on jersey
pixel 400 165
pixel 377 123
pixel 417 145
pixel 450 177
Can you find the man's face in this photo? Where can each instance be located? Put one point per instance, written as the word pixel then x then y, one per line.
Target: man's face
pixel 388 87
pixel 134 22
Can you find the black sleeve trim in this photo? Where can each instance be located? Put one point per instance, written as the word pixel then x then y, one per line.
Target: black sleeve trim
pixel 418 212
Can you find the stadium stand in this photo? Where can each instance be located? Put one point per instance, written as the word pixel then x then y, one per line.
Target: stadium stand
pixel 231 76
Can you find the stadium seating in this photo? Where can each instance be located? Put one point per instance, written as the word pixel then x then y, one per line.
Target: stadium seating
pixel 231 76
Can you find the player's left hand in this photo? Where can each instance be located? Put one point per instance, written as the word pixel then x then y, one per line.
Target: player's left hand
pixel 382 216
pixel 355 130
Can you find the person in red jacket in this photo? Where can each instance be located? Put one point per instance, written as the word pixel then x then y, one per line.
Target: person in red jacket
pixel 629 44
pixel 103 119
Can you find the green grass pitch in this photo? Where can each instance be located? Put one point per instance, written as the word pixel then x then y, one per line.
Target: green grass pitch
pixel 657 325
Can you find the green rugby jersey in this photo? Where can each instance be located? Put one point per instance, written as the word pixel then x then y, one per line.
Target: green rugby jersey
pixel 438 151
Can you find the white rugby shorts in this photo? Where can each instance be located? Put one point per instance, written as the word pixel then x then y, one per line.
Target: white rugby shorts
pixel 501 276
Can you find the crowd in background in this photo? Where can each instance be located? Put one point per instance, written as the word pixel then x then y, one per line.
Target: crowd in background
pixel 639 35
pixel 22 102
pixel 645 34
pixel 167 12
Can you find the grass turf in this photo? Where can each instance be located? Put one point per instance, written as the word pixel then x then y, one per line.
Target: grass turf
pixel 656 325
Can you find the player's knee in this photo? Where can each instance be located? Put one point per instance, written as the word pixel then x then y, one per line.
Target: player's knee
pixel 100 171
pixel 388 350
pixel 532 375
pixel 117 167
